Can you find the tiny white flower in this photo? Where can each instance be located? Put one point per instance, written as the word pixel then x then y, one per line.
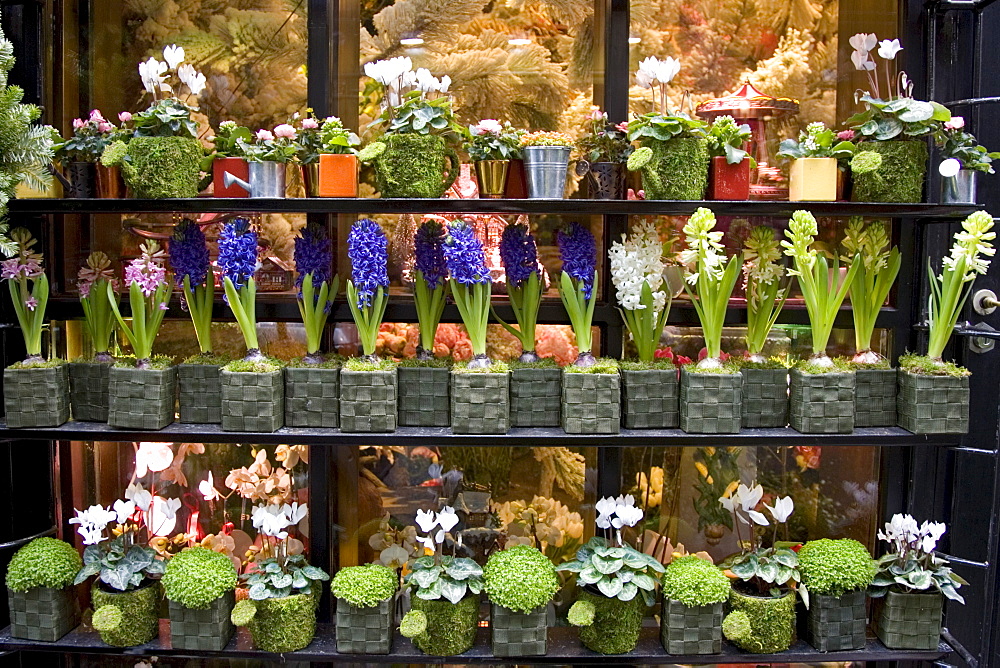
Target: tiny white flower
pixel 174 55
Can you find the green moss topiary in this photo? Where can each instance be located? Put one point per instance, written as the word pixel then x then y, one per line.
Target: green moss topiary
pixel 581 613
pixel 677 169
pixel 413 624
pixel 413 165
pixel 44 562
pixel 898 176
pixel 159 167
pixel 604 365
pixel 195 577
pixel 925 365
pixel 138 608
pixel 450 628
pixel 281 624
pixel 364 586
pixel 772 622
pixel 616 624
pixel 521 579
pixel 835 567
pixel 695 582
pixel 737 627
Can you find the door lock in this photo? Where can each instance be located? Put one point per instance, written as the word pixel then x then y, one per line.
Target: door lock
pixel 985 302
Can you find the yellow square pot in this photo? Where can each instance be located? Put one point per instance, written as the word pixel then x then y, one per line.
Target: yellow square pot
pixel 813 179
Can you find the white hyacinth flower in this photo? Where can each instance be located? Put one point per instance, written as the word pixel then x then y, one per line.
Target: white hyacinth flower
pixel 638 259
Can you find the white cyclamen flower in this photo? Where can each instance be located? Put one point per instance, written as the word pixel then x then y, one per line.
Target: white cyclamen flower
pixel 123 510
pixel 192 78
pixel 605 508
pixel 447 518
pixel 662 71
pixel 644 79
pixel 864 42
pixel 782 508
pixel 862 61
pixel 388 71
pixel 174 55
pixel 638 259
pixel 92 522
pixel 142 498
pixel 151 72
pixel 888 48
pixel 426 520
pixel 295 512
pixel 749 498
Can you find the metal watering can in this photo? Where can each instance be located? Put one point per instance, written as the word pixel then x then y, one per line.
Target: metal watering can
pixel 267 180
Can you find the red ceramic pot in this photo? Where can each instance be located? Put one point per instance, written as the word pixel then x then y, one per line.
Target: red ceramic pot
pixel 730 182
pixel 517 182
pixel 238 167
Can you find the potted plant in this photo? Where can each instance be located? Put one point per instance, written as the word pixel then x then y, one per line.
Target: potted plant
pixel 837 573
pixel 815 171
pixel 42 601
pixel 444 605
pixel 934 394
pixel 364 608
pixel 764 397
pixel 283 589
pixel 874 379
pixel 414 157
pixel 693 593
pixel 962 158
pixel 89 376
pixel 619 582
pixel 909 584
pixel 368 385
pixel 328 156
pixel 822 389
pixel 649 387
pixel 711 390
pixel 762 599
pixel 229 157
pixel 604 149
pixel 491 146
pixel 199 585
pixel 546 163
pixel 520 583
pixel 80 154
pixel 729 178
pixel 268 154
pixel 673 151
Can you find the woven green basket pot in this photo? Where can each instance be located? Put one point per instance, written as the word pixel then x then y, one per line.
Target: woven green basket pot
pixel 208 629
pixel 591 403
pixel 678 169
pixel 88 390
pixel 519 634
pixel 772 622
pixel 535 397
pixel 711 402
pixel 424 396
pixel 649 399
pixel 312 397
pixel 142 398
pixel 199 393
pixel 451 627
pixel 616 623
pixel 139 607
pixel 480 403
pixel 909 621
pixel 367 401
pixel 364 630
pixel 688 629
pixel 284 624
pixel 253 401
pixel 834 624
pixel 875 397
pixel 36 397
pixel 933 404
pixel 765 398
pixel 822 403
pixel 901 176
pixel 43 613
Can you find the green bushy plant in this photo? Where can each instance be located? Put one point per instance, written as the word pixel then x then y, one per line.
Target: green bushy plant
pixel 695 582
pixel 835 567
pixel 521 579
pixel 446 577
pixel 44 562
pixel 726 140
pixel 816 141
pixel 364 586
pixel 227 137
pixel 197 576
pixel 277 578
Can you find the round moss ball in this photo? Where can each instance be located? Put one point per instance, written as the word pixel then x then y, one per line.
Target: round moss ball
pixel 521 579
pixel 695 582
pixel 44 562
pixel 197 576
pixel 364 586
pixel 835 567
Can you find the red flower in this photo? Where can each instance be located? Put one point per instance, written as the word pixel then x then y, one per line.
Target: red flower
pixel 808 456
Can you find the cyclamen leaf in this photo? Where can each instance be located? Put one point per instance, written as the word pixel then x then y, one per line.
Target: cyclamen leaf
pixel 314 573
pixel 628 592
pixel 635 560
pixel 744 570
pixel 611 588
pixel 281 580
pixel 461 569
pixel 786 558
pixel 430 593
pixel 768 572
pixel 299 581
pixel 475 586
pixel 643 581
pixel 921 580
pixel 272 567
pixel 426 578
pixel 570 567
pixel 453 591
pixel 590 575
pixel 606 565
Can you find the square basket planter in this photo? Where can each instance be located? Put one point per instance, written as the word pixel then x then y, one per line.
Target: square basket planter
pixel 591 403
pixel 88 390
pixel 43 613
pixel 209 629
pixel 834 624
pixel 36 397
pixel 875 397
pixel 909 621
pixel 480 403
pixel 519 634
pixel 691 629
pixel 535 397
pixel 933 404
pixel 367 401
pixel 312 397
pixel 822 403
pixel 364 630
pixel 765 398
pixel 253 401
pixel 142 398
pixel 199 393
pixel 649 398
pixel 711 402
pixel 424 396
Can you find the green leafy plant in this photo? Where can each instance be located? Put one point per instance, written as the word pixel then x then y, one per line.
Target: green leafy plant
pixel 765 295
pixel 489 140
pixel 166 118
pixel 660 127
pixel 620 572
pixel 418 115
pixel 364 586
pixel 227 138
pixel 879 267
pixel 120 563
pixel 695 582
pixel 195 577
pixel 637 273
pixel 89 139
pixel 439 576
pixel 912 564
pixel 279 145
pixel 835 567
pixel 957 144
pixel 92 281
pixel 278 577
pixel 603 141
pixel 817 141
pixel 29 291
pixel 520 578
pixel 726 139
pixel 317 137
pixel 149 296
pixel 44 562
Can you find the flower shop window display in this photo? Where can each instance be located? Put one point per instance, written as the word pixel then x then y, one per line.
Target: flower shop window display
pixel 328 156
pixel 491 146
pixel 818 163
pixel 80 154
pixel 933 393
pixel 40 595
pixel 962 159
pixel 520 582
pixel 729 178
pixel 444 602
pixel 268 156
pixel 604 149
pixel 200 585
pixel 694 591
pixel 415 155
pixel 673 151
pixel 837 573
pixel 89 377
pixel 228 156
pixel 365 611
pixel 546 163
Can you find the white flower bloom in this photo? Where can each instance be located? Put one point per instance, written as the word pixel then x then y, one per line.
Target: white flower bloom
pixel 192 78
pixel 782 509
pixel 704 251
pixel 444 83
pixel 142 498
pixel 162 516
pixel 644 79
pixel 207 489
pixel 447 518
pixel 426 520
pixel 92 523
pixel 174 55
pixel 749 498
pixel 296 512
pixel 151 72
pixel 388 71
pixel 427 542
pixel 636 260
pixel 661 71
pixel 627 516
pixel 123 510
pixel 863 41
pixel 888 48
pixel 439 536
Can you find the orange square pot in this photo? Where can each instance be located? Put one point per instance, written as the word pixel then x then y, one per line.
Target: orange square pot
pixel 729 182
pixel 238 167
pixel 338 175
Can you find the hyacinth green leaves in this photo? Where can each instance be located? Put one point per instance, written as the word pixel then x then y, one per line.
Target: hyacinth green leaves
pixel 29 290
pixel 874 278
pixel 765 295
pixel 149 295
pixel 93 280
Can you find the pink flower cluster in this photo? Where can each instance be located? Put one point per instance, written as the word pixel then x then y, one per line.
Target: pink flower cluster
pixel 148 273
pixel 96 120
pixel 285 131
pixel 309 124
pixel 13 269
pixel 956 123
pixel 487 126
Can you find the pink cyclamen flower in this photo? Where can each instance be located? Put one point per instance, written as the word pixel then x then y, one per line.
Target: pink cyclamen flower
pixel 124 117
pixel 489 126
pixel 264 135
pixel 845 135
pixel 597 115
pixel 285 131
pixel 31 303
pixel 79 123
pixel 623 126
pixel 105 128
pixel 96 115
pixel 956 123
pixel 309 124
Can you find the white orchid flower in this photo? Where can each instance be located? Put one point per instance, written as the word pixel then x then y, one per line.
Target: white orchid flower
pixel 142 498
pixel 174 55
pixel 426 520
pixel 863 41
pixel 447 518
pixel 123 510
pixel 888 48
pixel 782 508
pixel 297 512
pixel 861 61
pixel 207 489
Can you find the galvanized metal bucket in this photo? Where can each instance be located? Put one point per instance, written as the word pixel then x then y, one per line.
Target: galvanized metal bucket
pixel 959 189
pixel 546 167
pixel 267 180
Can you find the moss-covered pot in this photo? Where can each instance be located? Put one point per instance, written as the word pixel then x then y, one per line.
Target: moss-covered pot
pixel 909 621
pixel 142 398
pixel 535 397
pixel 159 167
pixel 822 403
pixel 875 397
pixel 415 165
pixel 451 627
pixel 367 401
pixel 424 396
pixel 364 630
pixel 253 401
pixel 480 403
pixel 837 623
pixel 933 404
pixel 765 398
pixel 678 169
pixel 139 613
pixel 88 390
pixel 36 397
pixel 207 629
pixel 899 178
pixel 199 393
pixel 312 397
pixel 591 403
pixel 43 613
pixel 649 398
pixel 711 402
pixel 772 621
pixel 688 629
pixel 519 634
pixel 616 623
pixel 284 624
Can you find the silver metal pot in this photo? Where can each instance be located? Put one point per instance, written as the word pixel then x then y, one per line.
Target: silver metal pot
pixel 959 189
pixel 545 168
pixel 267 180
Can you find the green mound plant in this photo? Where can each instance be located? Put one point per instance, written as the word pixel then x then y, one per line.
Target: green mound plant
pixel 158 167
pixel 197 576
pixel 521 579
pixel 835 567
pixel 364 586
pixel 695 582
pixel 44 562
